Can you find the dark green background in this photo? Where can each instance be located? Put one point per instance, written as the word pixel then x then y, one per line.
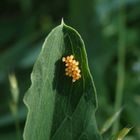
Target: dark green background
pixel 24 24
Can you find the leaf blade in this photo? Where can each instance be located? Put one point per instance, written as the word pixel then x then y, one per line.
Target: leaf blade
pixel 57 107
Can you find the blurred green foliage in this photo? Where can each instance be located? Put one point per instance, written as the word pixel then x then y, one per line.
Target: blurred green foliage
pixel 24 24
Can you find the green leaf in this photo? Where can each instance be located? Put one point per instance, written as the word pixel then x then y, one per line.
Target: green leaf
pixel 121 134
pixel 58 108
pixel 110 121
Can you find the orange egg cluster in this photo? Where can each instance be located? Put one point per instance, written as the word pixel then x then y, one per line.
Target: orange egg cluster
pixel 72 69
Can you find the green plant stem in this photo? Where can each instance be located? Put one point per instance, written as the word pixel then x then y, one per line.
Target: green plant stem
pixel 17 126
pixel 121 63
pixel 18 129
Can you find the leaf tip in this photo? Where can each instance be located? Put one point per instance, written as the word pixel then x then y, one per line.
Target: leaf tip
pixel 62 21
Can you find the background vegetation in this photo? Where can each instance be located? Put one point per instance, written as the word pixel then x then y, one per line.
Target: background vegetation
pixel 110 29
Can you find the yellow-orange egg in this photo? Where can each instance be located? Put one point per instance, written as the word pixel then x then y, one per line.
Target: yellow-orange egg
pixel 72 68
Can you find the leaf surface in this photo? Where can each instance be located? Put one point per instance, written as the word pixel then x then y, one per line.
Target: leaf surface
pixel 58 108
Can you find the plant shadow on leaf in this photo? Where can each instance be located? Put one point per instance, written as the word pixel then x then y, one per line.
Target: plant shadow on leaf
pixel 73 101
pixel 66 98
